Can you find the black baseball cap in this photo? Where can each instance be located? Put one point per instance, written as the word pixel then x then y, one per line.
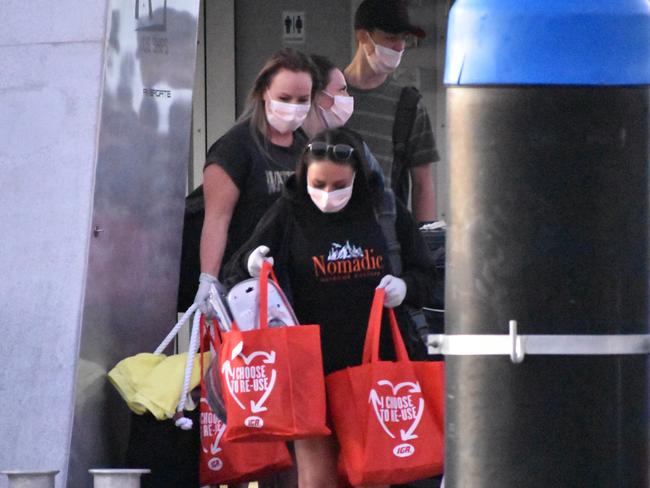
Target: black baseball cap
pixel 387 15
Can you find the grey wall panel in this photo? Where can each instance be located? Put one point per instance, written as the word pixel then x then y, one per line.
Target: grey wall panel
pixel 49 94
pixel 220 67
pixel 133 267
pixel 259 27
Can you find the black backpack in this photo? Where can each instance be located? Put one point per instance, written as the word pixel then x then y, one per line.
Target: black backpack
pixel 435 240
pixel 402 128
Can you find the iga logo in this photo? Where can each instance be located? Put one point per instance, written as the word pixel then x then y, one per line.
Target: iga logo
pixel 397 411
pixel 403 450
pixel 215 464
pixel 254 422
pixel 250 378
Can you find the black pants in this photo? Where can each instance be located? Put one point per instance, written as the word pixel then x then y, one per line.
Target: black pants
pixel 428 483
pixel 172 454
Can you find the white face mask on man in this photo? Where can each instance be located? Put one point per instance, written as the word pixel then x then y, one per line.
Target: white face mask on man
pixel 340 111
pixel 333 201
pixel 384 60
pixel 285 117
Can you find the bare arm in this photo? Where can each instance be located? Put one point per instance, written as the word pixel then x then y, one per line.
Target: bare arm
pixel 221 196
pixel 423 199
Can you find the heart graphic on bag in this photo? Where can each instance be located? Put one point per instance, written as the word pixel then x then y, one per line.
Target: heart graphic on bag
pixel 398 409
pixel 212 429
pixel 250 376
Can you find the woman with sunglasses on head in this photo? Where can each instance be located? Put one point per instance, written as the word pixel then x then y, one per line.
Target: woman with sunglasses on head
pixel 329 254
pixel 247 167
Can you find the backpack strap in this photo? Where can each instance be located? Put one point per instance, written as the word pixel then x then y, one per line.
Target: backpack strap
pixel 402 128
pixel 386 218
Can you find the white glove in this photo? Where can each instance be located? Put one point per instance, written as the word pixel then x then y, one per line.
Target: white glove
pixel 395 289
pixel 256 259
pixel 203 293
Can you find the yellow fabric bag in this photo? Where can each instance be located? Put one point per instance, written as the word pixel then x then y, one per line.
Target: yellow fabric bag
pixel 129 373
pixel 153 382
pixel 159 383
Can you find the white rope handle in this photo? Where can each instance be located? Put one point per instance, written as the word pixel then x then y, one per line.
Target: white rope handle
pixel 172 333
pixel 179 419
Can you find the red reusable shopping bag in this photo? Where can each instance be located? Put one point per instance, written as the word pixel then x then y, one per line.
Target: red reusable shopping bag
pixel 388 415
pixel 231 462
pixel 272 379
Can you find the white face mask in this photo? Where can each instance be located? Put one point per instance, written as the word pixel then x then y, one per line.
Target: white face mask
pixel 333 201
pixel 285 117
pixel 384 60
pixel 340 111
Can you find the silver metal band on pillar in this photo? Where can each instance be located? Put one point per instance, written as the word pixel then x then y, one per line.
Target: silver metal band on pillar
pixel 518 346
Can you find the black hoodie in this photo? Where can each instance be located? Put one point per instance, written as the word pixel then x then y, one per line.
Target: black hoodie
pixel 329 264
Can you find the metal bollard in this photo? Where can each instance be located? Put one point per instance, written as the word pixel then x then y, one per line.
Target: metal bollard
pixel 117 478
pixel 30 479
pixel 549 176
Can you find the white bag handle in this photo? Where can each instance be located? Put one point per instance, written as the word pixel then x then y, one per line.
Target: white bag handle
pixel 179 418
pixel 172 333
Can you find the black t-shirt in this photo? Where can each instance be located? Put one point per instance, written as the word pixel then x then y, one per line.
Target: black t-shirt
pixel 335 262
pixel 258 174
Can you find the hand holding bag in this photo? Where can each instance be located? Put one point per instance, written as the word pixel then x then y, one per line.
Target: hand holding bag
pixel 388 415
pixel 222 461
pixel 272 378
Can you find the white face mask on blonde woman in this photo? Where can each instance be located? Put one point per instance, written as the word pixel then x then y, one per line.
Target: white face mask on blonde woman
pixel 285 117
pixel 287 100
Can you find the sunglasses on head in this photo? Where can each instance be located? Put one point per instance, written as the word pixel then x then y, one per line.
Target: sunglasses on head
pixel 338 152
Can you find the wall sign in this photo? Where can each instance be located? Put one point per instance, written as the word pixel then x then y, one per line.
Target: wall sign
pixel 293 27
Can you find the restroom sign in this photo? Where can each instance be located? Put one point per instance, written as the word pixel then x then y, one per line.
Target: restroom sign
pixel 293 27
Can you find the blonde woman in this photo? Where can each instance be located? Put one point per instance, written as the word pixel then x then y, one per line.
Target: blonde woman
pixel 247 167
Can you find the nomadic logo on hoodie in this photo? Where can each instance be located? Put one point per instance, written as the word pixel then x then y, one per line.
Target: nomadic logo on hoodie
pixel 347 261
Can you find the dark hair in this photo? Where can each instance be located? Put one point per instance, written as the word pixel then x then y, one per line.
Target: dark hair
pixel 288 59
pixel 365 183
pixel 323 66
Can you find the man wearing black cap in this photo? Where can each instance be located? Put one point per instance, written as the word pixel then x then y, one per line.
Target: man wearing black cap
pixel 382 28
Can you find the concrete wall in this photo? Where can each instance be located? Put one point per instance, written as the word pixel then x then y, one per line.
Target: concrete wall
pixel 51 62
pixel 95 127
